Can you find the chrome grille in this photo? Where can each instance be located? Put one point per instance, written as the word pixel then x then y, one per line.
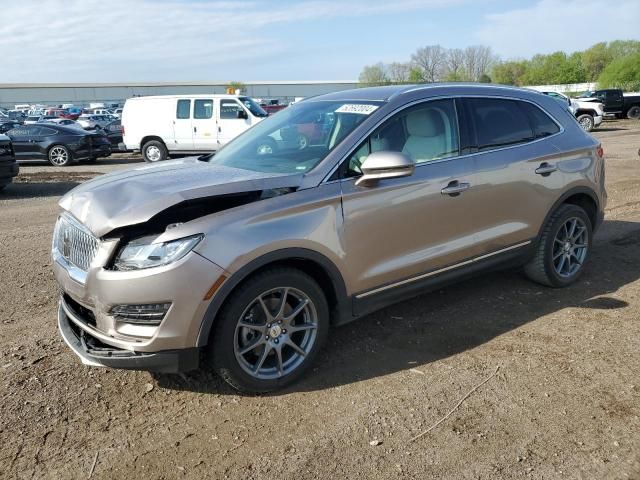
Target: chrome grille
pixel 74 243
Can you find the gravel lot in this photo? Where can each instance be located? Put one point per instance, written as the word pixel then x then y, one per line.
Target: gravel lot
pixel 565 402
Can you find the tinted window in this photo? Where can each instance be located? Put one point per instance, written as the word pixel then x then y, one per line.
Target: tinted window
pixel 499 123
pixel 45 132
pixel 184 109
pixel 229 109
pixel 424 133
pixel 542 123
pixel 203 109
pixel 24 131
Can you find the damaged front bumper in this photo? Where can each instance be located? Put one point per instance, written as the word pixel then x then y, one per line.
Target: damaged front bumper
pixel 97 354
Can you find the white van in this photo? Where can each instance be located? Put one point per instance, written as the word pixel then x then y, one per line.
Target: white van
pixel 164 125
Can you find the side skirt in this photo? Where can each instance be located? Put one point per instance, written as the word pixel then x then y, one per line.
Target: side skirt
pixel 368 302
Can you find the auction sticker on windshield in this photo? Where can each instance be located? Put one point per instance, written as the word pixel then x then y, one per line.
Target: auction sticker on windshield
pixel 360 108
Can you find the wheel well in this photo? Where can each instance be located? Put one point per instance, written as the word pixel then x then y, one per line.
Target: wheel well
pixel 150 138
pixel 586 112
pixel 311 268
pixel 585 202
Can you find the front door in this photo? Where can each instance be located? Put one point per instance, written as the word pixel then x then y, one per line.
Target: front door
pixel 204 126
pixel 232 121
pixel 25 142
pixel 399 229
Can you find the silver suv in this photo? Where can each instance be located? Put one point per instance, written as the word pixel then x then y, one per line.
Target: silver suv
pixel 243 260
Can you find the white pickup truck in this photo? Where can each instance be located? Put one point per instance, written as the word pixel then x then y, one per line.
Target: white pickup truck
pixel 588 113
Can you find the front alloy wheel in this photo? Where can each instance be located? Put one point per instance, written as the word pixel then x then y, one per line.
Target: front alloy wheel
pixel 275 333
pixel 269 331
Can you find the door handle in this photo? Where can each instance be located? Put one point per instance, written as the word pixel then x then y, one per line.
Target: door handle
pixel 545 169
pixel 455 188
pixel 195 129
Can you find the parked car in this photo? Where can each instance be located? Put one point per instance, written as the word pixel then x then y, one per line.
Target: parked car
pixel 90 122
pixel 113 131
pixel 161 126
pixel 31 119
pixel 588 114
pixel 249 257
pixel 60 145
pixel 616 102
pixel 63 121
pixel 8 125
pixel 8 165
pixel 63 113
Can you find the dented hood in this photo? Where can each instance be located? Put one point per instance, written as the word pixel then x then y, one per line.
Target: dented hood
pixel 135 195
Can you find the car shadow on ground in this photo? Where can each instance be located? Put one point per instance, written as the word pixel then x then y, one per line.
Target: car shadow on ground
pixel 119 159
pixel 23 190
pixel 452 320
pixel 610 129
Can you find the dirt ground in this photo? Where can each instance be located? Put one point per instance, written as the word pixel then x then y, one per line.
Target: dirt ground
pixel 565 402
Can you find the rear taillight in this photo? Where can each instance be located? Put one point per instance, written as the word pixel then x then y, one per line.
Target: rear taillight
pixel 600 151
pixel 122 129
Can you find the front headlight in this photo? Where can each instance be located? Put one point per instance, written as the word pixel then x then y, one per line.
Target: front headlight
pixel 142 253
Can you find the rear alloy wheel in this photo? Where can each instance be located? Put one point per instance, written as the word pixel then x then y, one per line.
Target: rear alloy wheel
pixel 154 151
pixel 59 156
pixel 633 113
pixel 586 122
pixel 270 331
pixel 563 248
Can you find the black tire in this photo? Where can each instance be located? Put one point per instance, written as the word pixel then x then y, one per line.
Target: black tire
pixel 633 113
pixel 586 122
pixel 267 146
pixel 220 354
pixel 154 151
pixel 59 156
pixel 540 268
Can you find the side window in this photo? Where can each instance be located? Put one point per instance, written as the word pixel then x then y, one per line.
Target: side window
pixel 499 123
pixel 46 132
pixel 183 110
pixel 229 109
pixel 424 133
pixel 202 109
pixel 542 123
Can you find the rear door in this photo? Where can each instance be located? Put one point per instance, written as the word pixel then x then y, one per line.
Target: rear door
pixel 182 128
pixel 510 200
pixel 204 125
pixel 230 121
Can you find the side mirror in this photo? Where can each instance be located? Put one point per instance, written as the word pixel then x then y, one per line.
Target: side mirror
pixel 381 165
pixel 242 114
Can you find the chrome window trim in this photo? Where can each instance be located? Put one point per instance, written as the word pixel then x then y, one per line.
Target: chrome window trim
pixel 441 270
pixel 444 97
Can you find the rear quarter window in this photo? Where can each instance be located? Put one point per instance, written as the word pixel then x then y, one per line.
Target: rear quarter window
pixel 543 124
pixel 499 123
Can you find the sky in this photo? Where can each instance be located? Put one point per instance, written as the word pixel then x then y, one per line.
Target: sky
pixel 44 41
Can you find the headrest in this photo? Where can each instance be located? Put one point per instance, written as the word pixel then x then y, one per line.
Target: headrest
pixel 424 123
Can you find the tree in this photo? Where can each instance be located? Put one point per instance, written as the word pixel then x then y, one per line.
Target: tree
pixel 484 78
pixel 415 75
pixel 623 72
pixel 509 73
pixel 398 72
pixel 478 59
pixel 373 75
pixel 431 60
pixel 595 59
pixel 455 64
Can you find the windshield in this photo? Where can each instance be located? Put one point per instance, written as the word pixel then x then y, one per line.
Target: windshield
pixel 253 107
pixel 296 139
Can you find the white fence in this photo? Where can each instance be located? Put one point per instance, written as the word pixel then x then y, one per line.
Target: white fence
pixel 568 87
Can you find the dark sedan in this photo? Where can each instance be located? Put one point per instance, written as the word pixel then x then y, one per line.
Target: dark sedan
pixel 113 131
pixel 57 144
pixel 8 165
